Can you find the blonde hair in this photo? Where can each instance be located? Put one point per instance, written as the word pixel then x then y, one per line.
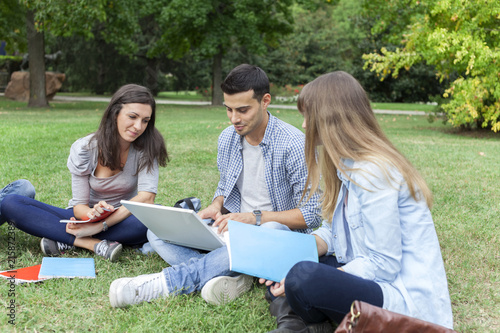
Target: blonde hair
pixel 339 117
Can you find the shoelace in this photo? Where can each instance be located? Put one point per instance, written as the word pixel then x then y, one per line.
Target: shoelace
pixel 102 247
pixel 148 289
pixel 64 246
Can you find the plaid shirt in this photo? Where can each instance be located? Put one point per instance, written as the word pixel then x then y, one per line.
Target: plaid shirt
pixel 285 170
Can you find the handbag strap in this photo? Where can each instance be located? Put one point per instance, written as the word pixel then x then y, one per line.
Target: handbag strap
pixel 355 313
pixel 187 201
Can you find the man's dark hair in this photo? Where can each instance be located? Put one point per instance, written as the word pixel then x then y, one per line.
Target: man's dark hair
pixel 244 78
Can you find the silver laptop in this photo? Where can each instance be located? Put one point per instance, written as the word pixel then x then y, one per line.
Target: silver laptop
pixel 176 225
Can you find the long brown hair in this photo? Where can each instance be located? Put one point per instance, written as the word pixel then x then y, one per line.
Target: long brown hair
pixel 150 143
pixel 339 117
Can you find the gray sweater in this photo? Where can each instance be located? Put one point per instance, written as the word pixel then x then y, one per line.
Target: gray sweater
pixel 89 190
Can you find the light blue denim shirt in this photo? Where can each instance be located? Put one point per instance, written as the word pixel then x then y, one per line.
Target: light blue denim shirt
pixel 285 170
pixel 381 233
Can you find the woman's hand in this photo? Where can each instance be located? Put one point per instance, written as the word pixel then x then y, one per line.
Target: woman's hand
pixel 81 230
pixel 276 288
pixel 99 209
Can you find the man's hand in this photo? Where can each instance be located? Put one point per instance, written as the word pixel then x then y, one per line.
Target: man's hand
pixel 211 212
pixel 277 288
pixel 222 220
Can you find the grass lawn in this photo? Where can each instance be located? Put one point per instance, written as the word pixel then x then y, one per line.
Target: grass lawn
pixel 462 169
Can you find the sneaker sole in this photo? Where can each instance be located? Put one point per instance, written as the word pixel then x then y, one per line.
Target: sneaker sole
pixel 113 292
pixel 226 289
pixel 116 253
pixel 43 250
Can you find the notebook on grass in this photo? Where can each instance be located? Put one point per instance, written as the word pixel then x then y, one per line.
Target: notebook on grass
pixel 267 253
pixel 176 225
pixel 67 268
pixel 23 275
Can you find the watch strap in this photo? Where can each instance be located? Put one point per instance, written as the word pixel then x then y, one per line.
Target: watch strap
pixel 258 217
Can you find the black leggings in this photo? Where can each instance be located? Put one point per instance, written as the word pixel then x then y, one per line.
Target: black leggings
pixel 319 291
pixel 39 219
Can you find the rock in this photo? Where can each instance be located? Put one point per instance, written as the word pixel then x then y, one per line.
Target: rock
pixel 18 88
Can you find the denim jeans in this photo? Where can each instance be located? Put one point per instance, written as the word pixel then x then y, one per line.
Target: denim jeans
pixel 191 269
pixel 177 254
pixel 319 291
pixel 20 187
pixel 42 220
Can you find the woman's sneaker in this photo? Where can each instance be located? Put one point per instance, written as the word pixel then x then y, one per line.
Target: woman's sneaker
pixel 52 248
pixel 108 249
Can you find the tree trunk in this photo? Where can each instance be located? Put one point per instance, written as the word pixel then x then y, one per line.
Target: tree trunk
pixel 217 97
pixel 151 79
pixel 36 51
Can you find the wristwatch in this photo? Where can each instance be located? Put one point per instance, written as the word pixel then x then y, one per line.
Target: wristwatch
pixel 104 226
pixel 258 216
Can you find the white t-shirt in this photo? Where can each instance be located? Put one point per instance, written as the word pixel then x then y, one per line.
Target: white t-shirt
pixel 251 182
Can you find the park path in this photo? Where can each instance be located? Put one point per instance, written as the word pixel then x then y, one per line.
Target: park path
pixel 175 102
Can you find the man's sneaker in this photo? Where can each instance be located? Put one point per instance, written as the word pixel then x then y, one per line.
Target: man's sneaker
pixel 143 288
pixel 52 248
pixel 108 250
pixel 224 289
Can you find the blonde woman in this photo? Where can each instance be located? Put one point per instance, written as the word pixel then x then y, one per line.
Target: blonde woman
pixel 377 243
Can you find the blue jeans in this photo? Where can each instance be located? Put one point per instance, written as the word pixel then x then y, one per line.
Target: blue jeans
pixel 40 219
pixel 20 187
pixel 319 291
pixel 190 276
pixel 191 269
pixel 176 254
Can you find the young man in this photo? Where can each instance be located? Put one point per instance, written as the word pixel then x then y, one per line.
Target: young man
pixel 262 176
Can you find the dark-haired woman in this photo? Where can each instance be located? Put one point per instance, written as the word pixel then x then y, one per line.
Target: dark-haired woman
pixel 118 162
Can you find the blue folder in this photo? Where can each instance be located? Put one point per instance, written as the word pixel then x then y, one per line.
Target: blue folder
pixel 67 268
pixel 267 253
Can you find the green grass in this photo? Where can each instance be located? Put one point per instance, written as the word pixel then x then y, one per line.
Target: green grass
pixel 460 167
pixel 181 95
pixel 403 106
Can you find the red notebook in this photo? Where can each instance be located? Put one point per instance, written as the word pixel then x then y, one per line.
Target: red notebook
pixel 23 275
pixel 105 214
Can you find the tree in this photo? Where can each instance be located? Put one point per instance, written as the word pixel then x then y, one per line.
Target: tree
pixel 209 28
pixel 127 47
pixel 36 50
pixel 456 36
pixel 61 18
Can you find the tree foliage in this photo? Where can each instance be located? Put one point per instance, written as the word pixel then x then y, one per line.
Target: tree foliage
pixel 66 17
pixel 209 28
pixel 13 26
pixel 455 36
pixel 330 36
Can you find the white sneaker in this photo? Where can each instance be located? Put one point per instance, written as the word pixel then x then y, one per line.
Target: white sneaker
pixel 142 288
pixel 224 289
